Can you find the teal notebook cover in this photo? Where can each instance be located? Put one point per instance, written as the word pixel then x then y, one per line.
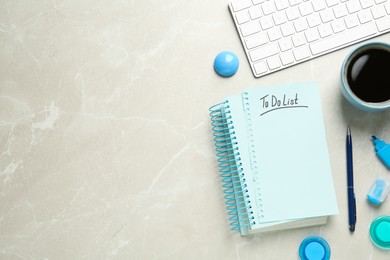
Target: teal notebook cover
pixel 285 172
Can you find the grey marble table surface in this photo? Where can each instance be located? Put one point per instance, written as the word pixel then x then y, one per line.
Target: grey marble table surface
pixel 106 147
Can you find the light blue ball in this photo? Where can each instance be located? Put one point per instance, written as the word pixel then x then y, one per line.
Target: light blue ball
pixel 226 63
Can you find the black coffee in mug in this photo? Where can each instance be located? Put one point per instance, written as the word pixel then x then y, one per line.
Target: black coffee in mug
pixel 368 74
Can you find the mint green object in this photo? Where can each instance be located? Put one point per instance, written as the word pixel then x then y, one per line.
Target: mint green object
pixel 380 232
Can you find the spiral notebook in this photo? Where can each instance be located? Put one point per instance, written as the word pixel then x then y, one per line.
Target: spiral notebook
pixel 273 159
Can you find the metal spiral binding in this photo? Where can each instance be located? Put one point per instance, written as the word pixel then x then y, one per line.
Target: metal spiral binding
pixel 236 197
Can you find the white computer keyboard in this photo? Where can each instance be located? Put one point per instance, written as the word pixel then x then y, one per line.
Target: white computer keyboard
pixel 277 34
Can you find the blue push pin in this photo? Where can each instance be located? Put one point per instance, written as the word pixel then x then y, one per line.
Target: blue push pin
pixel 226 64
pixel 314 248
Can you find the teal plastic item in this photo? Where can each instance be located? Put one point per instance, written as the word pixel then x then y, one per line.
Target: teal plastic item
pixel 226 63
pixel 314 248
pixel 382 150
pixel 380 232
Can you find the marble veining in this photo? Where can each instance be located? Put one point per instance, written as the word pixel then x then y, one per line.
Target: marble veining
pixel 106 149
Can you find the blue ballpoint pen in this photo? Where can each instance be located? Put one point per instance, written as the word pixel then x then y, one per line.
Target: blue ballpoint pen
pixel 351 193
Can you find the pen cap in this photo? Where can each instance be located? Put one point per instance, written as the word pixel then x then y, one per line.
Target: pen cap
pixel 314 248
pixel 378 191
pixel 380 232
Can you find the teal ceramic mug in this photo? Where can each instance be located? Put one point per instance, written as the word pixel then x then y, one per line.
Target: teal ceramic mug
pixel 365 77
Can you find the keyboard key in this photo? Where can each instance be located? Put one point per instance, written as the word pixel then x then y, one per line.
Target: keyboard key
pixel 250 28
pixel 279 18
pixel 365 16
pixel 353 6
pixel 378 11
pixel 305 8
pixel 338 26
pixel 312 35
pixel 313 20
pixel 387 7
pixel 264 52
pixel 340 11
pixel 352 21
pixel 268 7
pixel 318 5
pixel 239 5
pixel 366 3
pixel 301 53
pixel 273 62
pixel 281 4
pixel 295 2
pixel 326 15
pixel 257 39
pixel 383 23
pixel 331 3
pixel 286 58
pixel 260 68
pixel 292 13
pixel 298 39
pixel 242 17
pixel 325 30
pixel 300 25
pixel 285 44
pixel 255 12
pixel 287 29
pixel 341 39
pixel 274 34
pixel 256 2
pixel 266 23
